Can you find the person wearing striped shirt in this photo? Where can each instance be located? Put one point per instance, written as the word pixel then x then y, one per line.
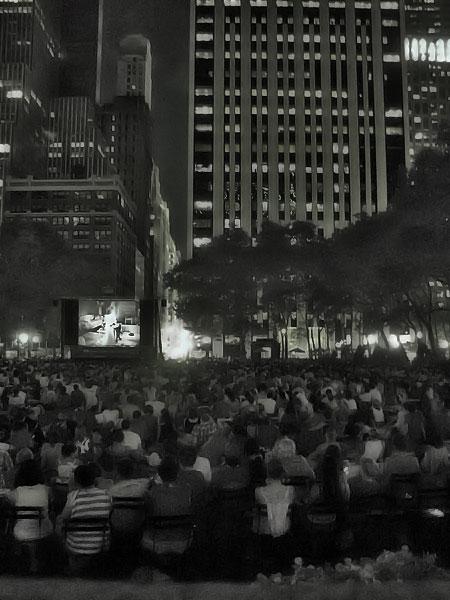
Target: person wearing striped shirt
pixel 86 502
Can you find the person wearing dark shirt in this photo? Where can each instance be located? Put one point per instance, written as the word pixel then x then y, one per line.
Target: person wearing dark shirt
pixel 77 398
pixel 168 499
pixel 230 475
pixel 188 476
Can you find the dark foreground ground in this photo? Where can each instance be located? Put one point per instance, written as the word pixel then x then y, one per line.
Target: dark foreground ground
pixel 75 589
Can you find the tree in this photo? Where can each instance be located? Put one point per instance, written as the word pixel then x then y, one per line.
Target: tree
pixel 217 288
pixel 282 265
pixel 37 268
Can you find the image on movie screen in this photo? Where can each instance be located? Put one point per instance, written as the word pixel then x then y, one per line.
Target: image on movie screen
pixel 108 323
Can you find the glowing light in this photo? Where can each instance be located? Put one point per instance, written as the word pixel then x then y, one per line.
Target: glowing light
pixel 404 339
pixel 14 94
pixel 393 340
pixel 425 50
pixel 443 344
pixel 419 335
pixel 372 338
pixel 36 339
pixel 23 338
pixel 177 342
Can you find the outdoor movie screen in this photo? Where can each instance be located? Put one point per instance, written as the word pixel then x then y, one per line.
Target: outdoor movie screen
pixel 108 323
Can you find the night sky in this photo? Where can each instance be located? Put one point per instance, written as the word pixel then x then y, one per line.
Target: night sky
pixel 166 24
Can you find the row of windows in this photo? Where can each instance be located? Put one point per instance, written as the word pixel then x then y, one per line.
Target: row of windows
pixel 103 247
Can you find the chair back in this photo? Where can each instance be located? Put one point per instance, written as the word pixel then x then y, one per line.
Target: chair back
pixel 239 500
pixel 261 515
pixel 30 513
pixel 321 518
pixel 35 513
pixel 88 528
pixel 169 534
pixel 297 481
pixel 128 503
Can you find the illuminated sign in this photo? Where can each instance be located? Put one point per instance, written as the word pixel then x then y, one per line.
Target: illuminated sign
pixel 422 50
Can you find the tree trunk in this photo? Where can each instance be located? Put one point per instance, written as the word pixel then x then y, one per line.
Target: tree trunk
pixel 384 338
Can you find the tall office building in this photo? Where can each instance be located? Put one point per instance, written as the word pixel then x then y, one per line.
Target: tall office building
pixel 298 112
pixel 76 147
pixel 127 129
pixel 427 51
pixel 29 52
pixel 134 68
pixel 79 48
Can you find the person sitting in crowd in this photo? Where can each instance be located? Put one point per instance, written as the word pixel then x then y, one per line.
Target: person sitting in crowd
pixel 188 476
pixel 131 439
pixel 334 490
pixel 67 464
pixel 30 491
pixel 435 464
pixel 168 499
pixel 368 480
pixel 277 499
pixel 205 429
pixel 230 475
pixel 85 502
pixel 401 461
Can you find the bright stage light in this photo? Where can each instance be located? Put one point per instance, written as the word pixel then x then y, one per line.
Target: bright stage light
pixel 23 338
pixel 177 341
pixel 393 340
pixel 372 338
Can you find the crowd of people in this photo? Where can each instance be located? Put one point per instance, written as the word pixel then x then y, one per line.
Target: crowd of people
pixel 92 455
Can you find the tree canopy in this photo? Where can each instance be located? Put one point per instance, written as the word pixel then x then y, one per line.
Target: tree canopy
pixel 393 268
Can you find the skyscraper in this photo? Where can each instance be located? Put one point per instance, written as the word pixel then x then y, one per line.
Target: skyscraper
pixel 126 126
pixel 76 147
pixel 79 48
pixel 427 51
pixel 298 112
pixel 134 68
pixel 29 53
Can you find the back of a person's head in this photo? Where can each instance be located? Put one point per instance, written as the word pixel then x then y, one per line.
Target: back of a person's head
pixel 136 414
pixel 118 436
pixel 125 424
pixel 28 474
pixel 399 442
pixel 168 469
pixel 125 468
pixel 68 449
pixel 275 469
pixel 85 476
pixel 232 460
pixel 52 438
pixel 148 409
pixel 187 457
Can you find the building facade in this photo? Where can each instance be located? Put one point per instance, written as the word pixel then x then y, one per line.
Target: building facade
pixel 165 257
pixel 29 54
pixel 95 216
pixel 427 52
pixel 76 147
pixel 298 112
pixel 126 126
pixel 79 48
